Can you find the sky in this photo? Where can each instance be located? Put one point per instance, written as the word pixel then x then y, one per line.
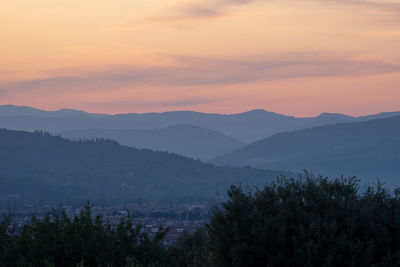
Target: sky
pixel 296 57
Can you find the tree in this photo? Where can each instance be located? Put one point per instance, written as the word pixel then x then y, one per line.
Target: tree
pixel 312 221
pixel 192 250
pixel 309 222
pixel 58 240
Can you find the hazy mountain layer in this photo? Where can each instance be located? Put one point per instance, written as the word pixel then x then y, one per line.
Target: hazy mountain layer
pixel 369 149
pixel 246 127
pixel 187 140
pixel 39 168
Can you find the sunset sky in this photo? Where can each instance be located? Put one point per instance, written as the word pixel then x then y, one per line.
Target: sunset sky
pixel 297 57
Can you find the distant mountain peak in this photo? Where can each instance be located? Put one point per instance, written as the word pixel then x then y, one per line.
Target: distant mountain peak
pixel 67 111
pixel 258 111
pixel 262 113
pixel 326 115
pixel 17 107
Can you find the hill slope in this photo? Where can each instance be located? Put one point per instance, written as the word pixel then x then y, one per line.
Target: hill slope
pixel 370 149
pixel 40 168
pixel 187 140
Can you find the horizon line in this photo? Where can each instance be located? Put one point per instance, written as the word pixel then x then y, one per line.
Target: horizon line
pixel 194 111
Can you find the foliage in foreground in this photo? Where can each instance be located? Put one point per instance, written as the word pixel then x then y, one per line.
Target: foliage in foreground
pixel 308 222
pixel 58 240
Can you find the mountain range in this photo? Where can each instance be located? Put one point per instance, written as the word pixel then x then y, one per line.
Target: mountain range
pixel 245 127
pixel 368 149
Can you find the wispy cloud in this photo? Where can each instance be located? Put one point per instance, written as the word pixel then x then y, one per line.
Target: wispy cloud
pixel 192 71
pixel 392 6
pixel 202 9
pixel 210 9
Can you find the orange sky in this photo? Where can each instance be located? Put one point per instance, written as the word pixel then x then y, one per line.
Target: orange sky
pixel 298 57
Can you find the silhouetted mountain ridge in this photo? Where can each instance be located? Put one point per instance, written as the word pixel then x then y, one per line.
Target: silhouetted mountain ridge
pixel 11 110
pixel 246 127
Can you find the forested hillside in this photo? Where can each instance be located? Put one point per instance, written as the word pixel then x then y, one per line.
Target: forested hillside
pixel 184 139
pixel 37 168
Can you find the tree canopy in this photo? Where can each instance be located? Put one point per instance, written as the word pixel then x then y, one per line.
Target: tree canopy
pixel 309 222
pixel 313 221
